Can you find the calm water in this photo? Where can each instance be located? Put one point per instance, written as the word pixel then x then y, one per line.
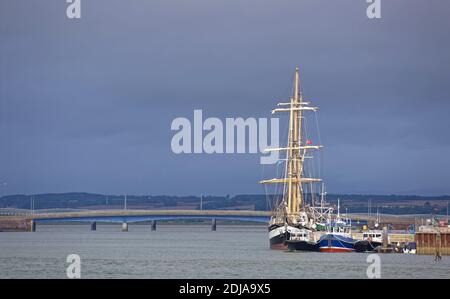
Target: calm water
pixel 191 251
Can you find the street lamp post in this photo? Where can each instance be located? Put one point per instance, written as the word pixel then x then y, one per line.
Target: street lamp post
pixel 4 184
pixel 32 204
pixel 447 215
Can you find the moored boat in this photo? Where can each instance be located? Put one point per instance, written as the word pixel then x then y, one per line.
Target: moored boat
pixel 302 241
pixel 336 242
pixel 371 241
pixel 338 237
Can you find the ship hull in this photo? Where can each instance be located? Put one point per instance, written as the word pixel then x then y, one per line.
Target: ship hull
pixel 278 244
pixel 296 245
pixel 277 237
pixel 286 238
pixel 336 243
pixel 366 246
pixel 335 249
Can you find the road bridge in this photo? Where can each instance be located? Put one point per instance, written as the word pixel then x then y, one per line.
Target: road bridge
pixel 133 216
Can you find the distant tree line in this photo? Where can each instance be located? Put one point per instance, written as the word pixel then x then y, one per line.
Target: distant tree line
pixel 385 204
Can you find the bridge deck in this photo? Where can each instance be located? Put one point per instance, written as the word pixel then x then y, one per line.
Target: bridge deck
pixel 151 213
pixel 147 215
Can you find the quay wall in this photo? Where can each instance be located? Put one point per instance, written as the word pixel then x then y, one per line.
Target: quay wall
pixel 433 242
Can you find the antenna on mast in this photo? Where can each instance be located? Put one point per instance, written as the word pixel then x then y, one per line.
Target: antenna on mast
pixel 377 222
pixel 447 214
pixel 339 209
pixel 322 195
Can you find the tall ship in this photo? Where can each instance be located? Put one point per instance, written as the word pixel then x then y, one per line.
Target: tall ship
pixel 292 218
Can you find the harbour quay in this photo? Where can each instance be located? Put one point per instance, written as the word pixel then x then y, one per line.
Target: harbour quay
pixel 433 240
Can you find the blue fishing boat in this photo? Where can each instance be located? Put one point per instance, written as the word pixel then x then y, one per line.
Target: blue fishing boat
pixel 336 242
pixel 338 237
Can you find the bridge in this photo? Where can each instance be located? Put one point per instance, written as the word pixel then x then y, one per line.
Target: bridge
pixel 133 216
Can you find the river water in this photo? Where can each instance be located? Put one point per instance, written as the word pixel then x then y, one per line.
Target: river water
pixel 190 251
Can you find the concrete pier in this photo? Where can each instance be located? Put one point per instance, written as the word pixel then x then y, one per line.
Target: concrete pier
pixel 124 227
pixel 153 225
pixel 385 237
pixel 213 224
pixel 93 226
pixel 385 246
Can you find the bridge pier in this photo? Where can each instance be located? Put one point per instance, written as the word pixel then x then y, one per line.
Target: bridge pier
pixel 124 227
pixel 93 226
pixel 153 224
pixel 33 226
pixel 213 224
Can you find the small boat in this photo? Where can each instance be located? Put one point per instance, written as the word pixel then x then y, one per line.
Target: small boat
pixel 302 241
pixel 371 241
pixel 410 248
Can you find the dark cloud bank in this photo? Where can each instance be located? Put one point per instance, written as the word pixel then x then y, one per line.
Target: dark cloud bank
pixel 87 105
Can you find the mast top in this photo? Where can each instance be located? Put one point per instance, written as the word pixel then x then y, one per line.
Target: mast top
pixel 296 86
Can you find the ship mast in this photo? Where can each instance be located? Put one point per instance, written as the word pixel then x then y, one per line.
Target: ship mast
pixel 295 153
pixel 295 159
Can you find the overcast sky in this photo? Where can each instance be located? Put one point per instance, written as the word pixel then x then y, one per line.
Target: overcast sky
pixel 86 105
